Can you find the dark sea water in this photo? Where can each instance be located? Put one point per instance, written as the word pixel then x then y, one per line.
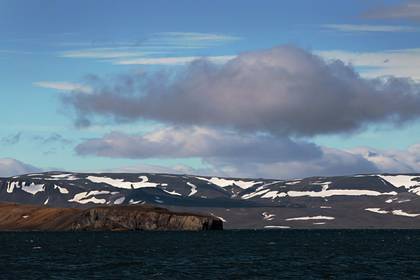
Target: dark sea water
pixel 277 254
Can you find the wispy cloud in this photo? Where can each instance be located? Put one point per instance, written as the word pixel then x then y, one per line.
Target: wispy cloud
pixel 53 138
pixel 401 63
pixel 174 60
pixel 11 139
pixel 63 86
pixel 106 53
pixel 370 28
pixel 190 39
pixel 405 10
pixel 13 52
pixel 168 43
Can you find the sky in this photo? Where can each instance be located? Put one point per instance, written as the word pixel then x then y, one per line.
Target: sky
pixel 274 89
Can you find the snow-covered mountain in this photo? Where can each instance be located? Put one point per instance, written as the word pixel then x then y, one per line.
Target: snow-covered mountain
pixel 383 200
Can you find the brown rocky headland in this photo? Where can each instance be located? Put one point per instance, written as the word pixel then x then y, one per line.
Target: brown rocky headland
pixel 20 217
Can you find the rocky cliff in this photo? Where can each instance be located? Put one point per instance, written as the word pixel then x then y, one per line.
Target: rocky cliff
pixel 142 218
pixel 15 217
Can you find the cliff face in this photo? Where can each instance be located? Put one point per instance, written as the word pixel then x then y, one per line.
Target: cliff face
pixel 15 217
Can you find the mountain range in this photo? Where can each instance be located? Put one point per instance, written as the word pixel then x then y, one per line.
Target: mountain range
pixel 357 201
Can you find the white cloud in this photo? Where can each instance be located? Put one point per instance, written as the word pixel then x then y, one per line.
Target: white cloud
pixel 191 38
pixel 63 86
pixel 152 168
pixel 403 10
pixel 370 28
pixel 158 43
pixel 105 53
pixel 392 160
pixel 11 167
pixel 228 154
pixel 399 63
pixel 332 162
pixel 186 142
pixel 174 60
pixel 270 91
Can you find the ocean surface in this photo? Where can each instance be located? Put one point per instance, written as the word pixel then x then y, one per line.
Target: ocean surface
pixel 271 254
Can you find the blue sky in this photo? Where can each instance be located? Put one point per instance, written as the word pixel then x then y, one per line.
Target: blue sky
pixel 51 49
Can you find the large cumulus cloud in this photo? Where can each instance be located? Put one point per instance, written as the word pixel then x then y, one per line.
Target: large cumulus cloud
pixel 281 91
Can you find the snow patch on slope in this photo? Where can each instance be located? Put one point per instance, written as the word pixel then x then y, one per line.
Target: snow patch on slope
pixel 310 218
pixel 221 218
pixel 393 212
pixel 328 193
pixel 402 213
pixel 377 210
pixel 61 189
pixel 33 188
pixel 274 194
pixel 119 200
pixel 256 193
pixel 86 197
pixel 267 216
pixel 11 186
pixel 324 193
pixel 276 227
pixel 120 183
pixel 172 193
pixel 227 182
pixel 400 181
pixel 193 189
pixel 57 177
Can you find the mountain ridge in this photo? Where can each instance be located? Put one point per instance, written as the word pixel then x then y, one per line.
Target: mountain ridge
pixel 357 201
